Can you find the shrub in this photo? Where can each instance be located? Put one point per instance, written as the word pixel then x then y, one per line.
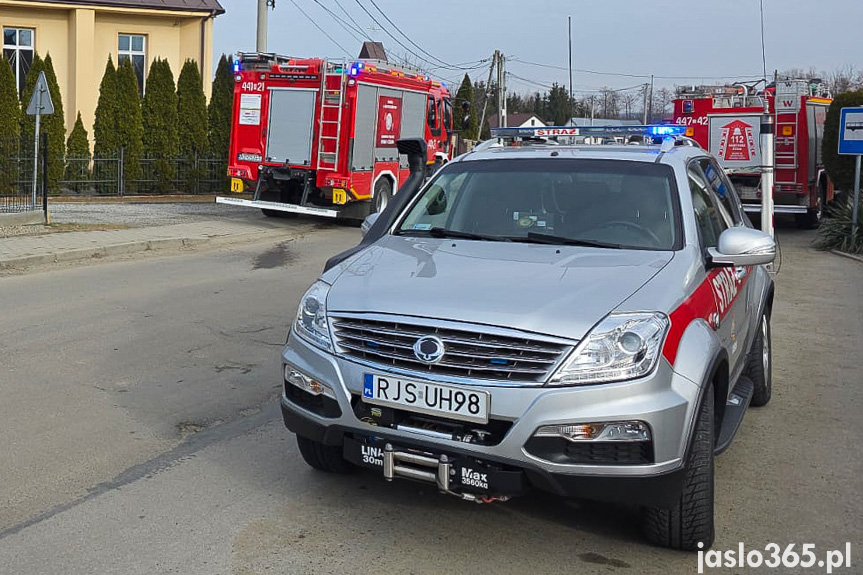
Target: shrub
pixel 840 168
pixel 77 156
pixel 835 230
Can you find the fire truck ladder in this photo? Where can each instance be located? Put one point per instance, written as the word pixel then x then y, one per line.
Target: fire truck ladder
pixel 332 99
pixel 787 157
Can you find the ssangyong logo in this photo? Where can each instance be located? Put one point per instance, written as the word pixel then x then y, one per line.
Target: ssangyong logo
pixel 429 349
pixel 244 157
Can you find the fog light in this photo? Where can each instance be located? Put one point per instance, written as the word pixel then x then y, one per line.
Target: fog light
pixel 306 383
pixel 617 431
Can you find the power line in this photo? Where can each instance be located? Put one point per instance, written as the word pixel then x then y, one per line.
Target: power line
pixel 324 32
pixel 341 22
pixel 420 48
pixel 397 41
pixel 624 75
pixel 353 21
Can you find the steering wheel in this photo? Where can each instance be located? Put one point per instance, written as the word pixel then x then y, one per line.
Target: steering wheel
pixel 646 233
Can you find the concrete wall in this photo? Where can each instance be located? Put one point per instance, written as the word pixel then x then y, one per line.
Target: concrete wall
pixel 80 39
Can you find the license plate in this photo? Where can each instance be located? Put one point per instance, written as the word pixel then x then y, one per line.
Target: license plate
pixel 340 196
pixel 237 185
pixel 424 397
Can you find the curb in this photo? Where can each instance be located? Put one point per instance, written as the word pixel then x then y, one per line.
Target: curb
pixel 846 255
pixel 128 248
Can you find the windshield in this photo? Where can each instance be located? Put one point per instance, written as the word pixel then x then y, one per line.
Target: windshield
pixel 604 203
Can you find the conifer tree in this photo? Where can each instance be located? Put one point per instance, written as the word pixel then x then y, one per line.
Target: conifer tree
pixel 55 125
pixel 77 156
pixel 191 110
pixel 129 125
pixel 160 124
pixel 10 127
pixel 465 94
pixel 220 110
pixel 105 125
pixel 28 123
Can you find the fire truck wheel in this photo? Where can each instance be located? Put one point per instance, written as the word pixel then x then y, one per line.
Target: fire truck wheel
pixel 812 218
pixel 383 194
pixel 276 213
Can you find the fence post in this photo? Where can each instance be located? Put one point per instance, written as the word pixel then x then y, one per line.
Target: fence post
pixel 121 185
pixel 45 175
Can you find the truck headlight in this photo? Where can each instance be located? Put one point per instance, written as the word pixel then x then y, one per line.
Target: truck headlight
pixel 622 346
pixel 311 323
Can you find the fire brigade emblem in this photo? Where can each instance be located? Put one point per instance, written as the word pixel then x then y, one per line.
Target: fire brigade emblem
pixel 737 143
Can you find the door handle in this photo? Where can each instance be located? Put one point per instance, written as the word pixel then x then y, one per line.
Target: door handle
pixel 740 273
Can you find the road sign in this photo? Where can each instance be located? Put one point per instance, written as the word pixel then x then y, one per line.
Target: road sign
pixel 40 101
pixel 851 131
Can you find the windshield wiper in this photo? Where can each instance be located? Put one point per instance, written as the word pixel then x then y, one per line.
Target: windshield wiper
pixel 445 233
pixel 539 238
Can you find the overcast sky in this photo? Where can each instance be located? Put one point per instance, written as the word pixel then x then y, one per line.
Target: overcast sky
pixel 680 41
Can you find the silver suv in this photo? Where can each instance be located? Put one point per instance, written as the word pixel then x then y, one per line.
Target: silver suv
pixel 591 321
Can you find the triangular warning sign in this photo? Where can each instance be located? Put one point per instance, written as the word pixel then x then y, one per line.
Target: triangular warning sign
pixel 40 101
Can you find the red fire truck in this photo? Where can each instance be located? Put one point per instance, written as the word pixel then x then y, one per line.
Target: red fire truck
pixel 318 136
pixel 727 121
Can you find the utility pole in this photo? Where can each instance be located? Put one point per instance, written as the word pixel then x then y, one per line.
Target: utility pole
pixel 571 114
pixel 501 90
pixel 644 107
pixel 263 5
pixel 650 100
pixel 487 94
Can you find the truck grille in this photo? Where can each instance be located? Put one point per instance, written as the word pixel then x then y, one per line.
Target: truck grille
pixel 469 354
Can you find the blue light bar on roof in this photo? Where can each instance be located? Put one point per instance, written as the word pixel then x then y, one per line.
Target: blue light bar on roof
pixel 236 66
pixel 554 131
pixel 356 67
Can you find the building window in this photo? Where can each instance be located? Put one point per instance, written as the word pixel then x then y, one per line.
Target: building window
pixel 133 47
pixel 18 49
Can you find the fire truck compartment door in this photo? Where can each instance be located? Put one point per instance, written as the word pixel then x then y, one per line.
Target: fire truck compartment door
pixel 366 151
pixel 289 135
pixel 735 139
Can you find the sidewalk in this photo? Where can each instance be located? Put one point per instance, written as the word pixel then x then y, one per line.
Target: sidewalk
pixel 33 250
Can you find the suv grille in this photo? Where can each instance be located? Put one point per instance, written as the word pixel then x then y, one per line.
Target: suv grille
pixel 469 354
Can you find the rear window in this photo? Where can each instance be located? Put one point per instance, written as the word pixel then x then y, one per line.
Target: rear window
pixel 621 203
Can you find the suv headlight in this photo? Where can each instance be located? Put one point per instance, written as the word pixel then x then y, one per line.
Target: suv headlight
pixel 311 323
pixel 622 346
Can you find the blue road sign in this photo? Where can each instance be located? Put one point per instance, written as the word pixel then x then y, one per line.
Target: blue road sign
pixel 851 131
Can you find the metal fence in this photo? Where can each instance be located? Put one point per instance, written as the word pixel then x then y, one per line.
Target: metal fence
pixel 104 175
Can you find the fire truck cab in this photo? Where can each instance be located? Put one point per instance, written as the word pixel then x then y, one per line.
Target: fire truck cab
pixel 318 136
pixel 726 120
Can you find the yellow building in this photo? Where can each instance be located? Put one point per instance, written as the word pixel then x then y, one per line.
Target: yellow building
pixel 81 34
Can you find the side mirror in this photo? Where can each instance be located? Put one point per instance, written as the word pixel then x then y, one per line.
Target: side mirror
pixel 743 247
pixel 368 223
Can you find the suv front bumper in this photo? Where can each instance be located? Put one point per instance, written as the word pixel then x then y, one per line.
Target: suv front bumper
pixel 664 400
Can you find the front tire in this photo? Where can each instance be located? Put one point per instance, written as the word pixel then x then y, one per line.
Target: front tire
pixel 812 218
pixel 383 194
pixel 690 521
pixel 323 457
pixel 759 364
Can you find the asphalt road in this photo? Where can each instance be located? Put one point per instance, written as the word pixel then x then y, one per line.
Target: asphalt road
pixel 141 435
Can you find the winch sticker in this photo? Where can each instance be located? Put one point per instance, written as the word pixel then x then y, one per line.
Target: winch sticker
pixel 471 478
